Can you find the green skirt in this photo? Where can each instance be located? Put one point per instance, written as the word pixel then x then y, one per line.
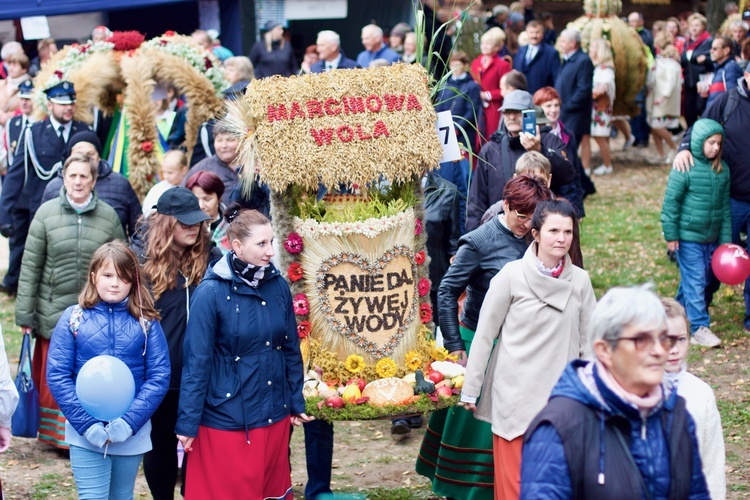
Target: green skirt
pixel 456 452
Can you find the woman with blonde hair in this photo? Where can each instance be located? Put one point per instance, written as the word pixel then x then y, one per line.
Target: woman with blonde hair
pixel 663 101
pixel 238 69
pixel 174 248
pixel 273 55
pixel 603 94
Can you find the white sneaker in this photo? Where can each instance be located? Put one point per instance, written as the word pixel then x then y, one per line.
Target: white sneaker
pixel 602 170
pixel 706 338
pixel 669 158
pixel 629 142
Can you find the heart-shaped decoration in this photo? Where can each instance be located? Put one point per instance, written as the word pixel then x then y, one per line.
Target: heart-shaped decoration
pixel 370 303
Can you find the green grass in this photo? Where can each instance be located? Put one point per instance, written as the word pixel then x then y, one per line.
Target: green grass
pixel 53 485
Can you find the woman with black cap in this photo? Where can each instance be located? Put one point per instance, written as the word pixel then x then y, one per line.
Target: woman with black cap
pixel 174 249
pixel 111 187
pixel 273 55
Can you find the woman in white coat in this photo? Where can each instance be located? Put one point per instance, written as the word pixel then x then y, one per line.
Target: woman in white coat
pixel 699 400
pixel 537 308
pixel 663 101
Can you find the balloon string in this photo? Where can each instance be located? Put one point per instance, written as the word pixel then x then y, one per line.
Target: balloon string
pixel 106 447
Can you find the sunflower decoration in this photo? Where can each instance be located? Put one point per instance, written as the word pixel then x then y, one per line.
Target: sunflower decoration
pixel 438 353
pixel 355 363
pixel 386 367
pixel 413 360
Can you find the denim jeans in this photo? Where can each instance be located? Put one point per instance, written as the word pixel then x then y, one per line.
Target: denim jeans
pixel 319 454
pixel 98 477
pixel 741 224
pixel 696 279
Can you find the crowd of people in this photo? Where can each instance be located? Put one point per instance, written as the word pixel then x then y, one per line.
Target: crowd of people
pixel 183 288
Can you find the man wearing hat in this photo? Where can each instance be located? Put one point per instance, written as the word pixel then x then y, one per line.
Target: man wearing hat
pixel 497 159
pixel 37 158
pixel 20 121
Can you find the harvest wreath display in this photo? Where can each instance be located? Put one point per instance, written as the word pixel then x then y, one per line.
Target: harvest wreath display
pixel 344 153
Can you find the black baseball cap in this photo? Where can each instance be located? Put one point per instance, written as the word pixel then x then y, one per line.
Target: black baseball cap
pixel 182 204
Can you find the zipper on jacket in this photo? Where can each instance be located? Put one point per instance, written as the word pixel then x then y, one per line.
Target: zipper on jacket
pixel 643 428
pixel 78 256
pixel 111 336
pixel 187 295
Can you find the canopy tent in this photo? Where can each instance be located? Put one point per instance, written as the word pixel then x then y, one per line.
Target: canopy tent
pixel 14 9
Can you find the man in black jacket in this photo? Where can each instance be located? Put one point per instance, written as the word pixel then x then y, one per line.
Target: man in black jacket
pixel 497 159
pixel 732 110
pixel 574 84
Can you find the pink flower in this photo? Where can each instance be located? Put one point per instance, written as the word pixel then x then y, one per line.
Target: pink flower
pixel 417 227
pixel 59 74
pixel 169 33
pixel 147 146
pixel 293 243
pixel 425 313
pixel 209 64
pixel 295 272
pixel 301 305
pixel 303 329
pixel 424 287
pixel 419 257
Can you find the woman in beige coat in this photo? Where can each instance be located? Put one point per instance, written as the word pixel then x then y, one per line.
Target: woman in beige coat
pixel 537 308
pixel 663 101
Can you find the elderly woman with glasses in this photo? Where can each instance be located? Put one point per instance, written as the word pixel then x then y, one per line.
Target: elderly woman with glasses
pixel 612 428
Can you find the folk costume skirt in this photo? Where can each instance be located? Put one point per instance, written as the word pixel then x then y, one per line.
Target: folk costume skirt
pixel 456 452
pixel 51 419
pixel 224 466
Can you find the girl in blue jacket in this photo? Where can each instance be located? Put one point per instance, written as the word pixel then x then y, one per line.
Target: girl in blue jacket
pixel 115 315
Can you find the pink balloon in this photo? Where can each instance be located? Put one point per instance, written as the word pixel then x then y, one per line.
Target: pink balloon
pixel 731 264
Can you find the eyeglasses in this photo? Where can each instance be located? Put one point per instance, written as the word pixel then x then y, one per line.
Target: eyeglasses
pixel 522 218
pixel 645 341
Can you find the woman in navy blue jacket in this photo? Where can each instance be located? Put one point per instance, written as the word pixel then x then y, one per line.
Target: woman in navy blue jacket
pixel 115 316
pixel 242 372
pixel 612 429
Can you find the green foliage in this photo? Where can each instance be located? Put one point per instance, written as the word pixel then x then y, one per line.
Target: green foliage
pixel 385 201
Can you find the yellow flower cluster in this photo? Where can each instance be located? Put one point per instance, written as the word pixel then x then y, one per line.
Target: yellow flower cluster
pixel 413 360
pixel 354 363
pixel 386 367
pixel 438 353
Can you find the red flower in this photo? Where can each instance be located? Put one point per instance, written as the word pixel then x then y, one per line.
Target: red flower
pixel 425 313
pixel 169 33
pixel 295 272
pixel 293 243
pixel 59 74
pixel 303 329
pixel 419 257
pixel 147 146
pixel 209 64
pixel 424 287
pixel 302 306
pixel 163 42
pixel 417 227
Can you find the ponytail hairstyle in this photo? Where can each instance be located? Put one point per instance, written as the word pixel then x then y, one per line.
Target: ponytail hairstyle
pixel 242 221
pixel 125 262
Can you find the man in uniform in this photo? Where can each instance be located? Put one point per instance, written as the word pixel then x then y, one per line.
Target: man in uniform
pixel 18 124
pixel 37 159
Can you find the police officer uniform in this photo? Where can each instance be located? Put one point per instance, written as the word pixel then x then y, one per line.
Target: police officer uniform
pixel 37 158
pixel 17 125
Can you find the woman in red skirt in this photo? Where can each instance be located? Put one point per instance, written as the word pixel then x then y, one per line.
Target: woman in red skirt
pixel 242 372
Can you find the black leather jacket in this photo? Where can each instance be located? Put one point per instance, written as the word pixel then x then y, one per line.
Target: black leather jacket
pixel 481 254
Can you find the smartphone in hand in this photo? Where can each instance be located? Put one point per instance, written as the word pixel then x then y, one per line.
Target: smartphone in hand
pixel 529 121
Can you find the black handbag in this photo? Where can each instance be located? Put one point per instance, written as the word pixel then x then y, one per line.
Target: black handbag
pixel 25 421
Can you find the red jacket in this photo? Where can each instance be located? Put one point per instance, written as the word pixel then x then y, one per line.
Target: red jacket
pixel 489 80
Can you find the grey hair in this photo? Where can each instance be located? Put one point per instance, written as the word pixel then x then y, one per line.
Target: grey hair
pixel 330 36
pixel 223 127
pixel 739 23
pixel 10 48
pixel 500 9
pixel 243 64
pixel 374 28
pixel 625 306
pixel 571 34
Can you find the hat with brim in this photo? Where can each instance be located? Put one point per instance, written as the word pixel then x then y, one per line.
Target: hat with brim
pixel 517 100
pixel 183 205
pixel 271 25
pixel 26 89
pixel 62 93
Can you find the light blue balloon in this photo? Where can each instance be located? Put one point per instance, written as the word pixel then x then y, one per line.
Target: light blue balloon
pixel 105 387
